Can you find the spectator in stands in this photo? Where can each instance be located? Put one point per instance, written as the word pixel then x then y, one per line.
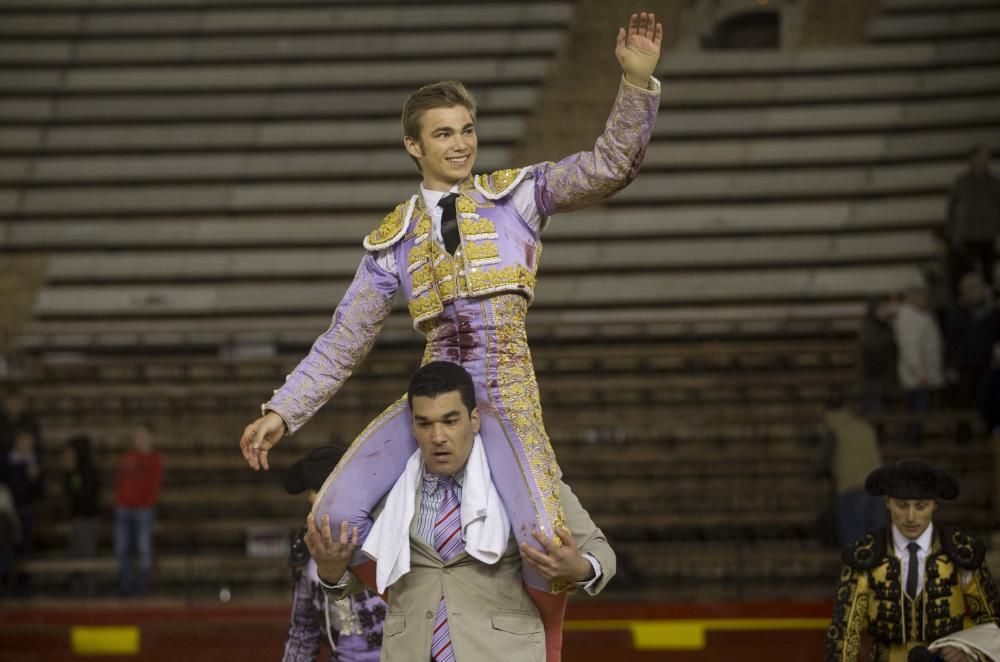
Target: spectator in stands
pixel 10 538
pixel 445 548
pixel 920 358
pixel 942 273
pixel 974 211
pixel 83 492
pixel 971 332
pixel 463 251
pixel 15 417
pixel 876 357
pixel 352 626
pixel 137 490
pixel 23 475
pixel 850 452
pixel 915 581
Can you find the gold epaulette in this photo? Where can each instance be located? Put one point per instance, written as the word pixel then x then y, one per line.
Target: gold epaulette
pixel 500 183
pixel 392 228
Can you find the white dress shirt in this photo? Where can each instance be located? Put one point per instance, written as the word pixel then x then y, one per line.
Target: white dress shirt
pixel 900 543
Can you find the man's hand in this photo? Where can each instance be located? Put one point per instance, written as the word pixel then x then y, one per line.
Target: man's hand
pixel 952 654
pixel 332 556
pixel 559 562
pixel 259 437
pixel 638 48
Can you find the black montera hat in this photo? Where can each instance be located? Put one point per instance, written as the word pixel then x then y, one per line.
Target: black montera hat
pixel 310 472
pixel 911 479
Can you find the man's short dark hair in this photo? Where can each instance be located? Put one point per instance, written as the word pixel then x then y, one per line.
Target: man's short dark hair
pixel 440 377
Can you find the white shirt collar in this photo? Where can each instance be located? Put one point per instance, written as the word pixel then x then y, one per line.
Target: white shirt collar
pixel 900 541
pixel 431 198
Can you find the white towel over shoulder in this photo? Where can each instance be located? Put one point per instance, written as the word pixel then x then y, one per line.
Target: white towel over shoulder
pixel 485 525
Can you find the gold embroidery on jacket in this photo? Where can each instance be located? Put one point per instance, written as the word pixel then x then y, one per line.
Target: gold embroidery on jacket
pixel 479 253
pixel 475 230
pixel 392 227
pixel 521 402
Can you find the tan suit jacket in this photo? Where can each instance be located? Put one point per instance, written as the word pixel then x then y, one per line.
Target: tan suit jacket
pixel 490 615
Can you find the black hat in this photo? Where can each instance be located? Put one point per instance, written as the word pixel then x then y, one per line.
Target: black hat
pixel 910 478
pixel 310 472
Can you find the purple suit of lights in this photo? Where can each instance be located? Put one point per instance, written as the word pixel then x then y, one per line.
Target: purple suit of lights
pixel 471 307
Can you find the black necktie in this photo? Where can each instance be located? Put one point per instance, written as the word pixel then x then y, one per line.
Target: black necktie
pixel 449 222
pixel 911 571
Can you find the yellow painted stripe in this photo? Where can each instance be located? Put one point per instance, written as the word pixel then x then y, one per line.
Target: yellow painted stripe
pixel 112 640
pixel 668 635
pixel 684 634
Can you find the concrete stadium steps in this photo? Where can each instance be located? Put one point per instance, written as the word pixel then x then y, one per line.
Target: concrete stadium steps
pixel 475 70
pixel 816 151
pixel 775 563
pixel 90 19
pixel 182 48
pixel 346 229
pixel 842 86
pixel 802 62
pixel 191 195
pixel 187 575
pixel 272 105
pixel 376 136
pixel 175 266
pixel 911 20
pixel 774 285
pixel 892 119
pixel 97 163
pixel 227 334
pixel 723 383
pixel 145 169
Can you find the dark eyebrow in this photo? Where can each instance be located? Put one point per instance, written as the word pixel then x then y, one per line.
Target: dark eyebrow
pixel 424 419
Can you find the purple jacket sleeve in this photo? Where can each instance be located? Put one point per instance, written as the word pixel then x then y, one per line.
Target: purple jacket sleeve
pixel 586 178
pixel 305 633
pixel 335 354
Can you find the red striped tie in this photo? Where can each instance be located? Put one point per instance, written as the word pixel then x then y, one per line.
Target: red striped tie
pixel 448 543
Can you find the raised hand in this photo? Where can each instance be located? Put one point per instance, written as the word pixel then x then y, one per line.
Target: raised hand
pixel 559 563
pixel 332 556
pixel 259 437
pixel 638 48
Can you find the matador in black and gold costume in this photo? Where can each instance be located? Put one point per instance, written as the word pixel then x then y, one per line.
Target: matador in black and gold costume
pixel 913 581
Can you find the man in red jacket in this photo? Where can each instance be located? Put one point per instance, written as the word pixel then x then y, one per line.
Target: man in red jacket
pixel 137 489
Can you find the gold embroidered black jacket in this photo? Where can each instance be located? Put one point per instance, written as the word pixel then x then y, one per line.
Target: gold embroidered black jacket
pixel 958 592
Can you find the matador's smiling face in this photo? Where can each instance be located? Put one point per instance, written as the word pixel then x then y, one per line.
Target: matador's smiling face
pixel 446 148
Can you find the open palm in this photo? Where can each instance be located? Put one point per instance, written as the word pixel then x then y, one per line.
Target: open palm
pixel 638 47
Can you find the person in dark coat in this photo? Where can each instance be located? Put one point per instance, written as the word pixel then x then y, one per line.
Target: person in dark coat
pixel 83 493
pixel 876 357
